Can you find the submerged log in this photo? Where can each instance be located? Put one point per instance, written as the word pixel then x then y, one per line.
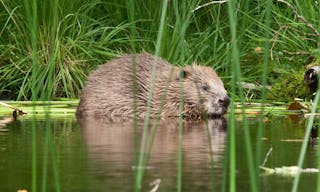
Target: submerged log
pixel 16 111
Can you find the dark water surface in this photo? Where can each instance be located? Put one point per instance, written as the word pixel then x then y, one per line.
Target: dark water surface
pixel 99 156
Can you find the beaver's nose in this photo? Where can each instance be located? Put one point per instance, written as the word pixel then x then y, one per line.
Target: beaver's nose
pixel 225 101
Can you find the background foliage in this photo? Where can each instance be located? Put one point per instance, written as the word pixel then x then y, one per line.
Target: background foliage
pixel 49 47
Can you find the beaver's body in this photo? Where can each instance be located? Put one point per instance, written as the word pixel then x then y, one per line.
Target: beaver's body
pixel 110 89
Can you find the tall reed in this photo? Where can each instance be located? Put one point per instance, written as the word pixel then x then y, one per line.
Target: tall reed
pixel 141 161
pixel 32 19
pixel 305 142
pixel 234 57
pixel 264 81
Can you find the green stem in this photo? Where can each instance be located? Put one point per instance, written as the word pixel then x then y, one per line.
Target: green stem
pixel 141 161
pixel 236 77
pixel 305 142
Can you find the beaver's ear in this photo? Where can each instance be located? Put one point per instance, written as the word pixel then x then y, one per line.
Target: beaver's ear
pixel 183 74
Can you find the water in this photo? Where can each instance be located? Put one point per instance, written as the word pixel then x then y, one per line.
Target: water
pixel 99 156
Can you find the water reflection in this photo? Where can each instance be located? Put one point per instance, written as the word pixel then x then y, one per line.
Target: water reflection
pixel 111 148
pixel 99 156
pixel 4 122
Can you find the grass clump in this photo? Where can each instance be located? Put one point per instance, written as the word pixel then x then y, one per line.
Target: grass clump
pixel 67 41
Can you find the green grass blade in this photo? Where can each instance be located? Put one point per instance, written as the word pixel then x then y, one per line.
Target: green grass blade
pixel 231 129
pixel 141 164
pixel 236 77
pixel 305 142
pixel 264 80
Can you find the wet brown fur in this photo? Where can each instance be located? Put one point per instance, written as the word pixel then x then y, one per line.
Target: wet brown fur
pixel 109 90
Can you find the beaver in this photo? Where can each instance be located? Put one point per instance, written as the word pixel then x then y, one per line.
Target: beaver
pixel 112 89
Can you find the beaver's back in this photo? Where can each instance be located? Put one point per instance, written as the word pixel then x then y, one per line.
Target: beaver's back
pixel 109 89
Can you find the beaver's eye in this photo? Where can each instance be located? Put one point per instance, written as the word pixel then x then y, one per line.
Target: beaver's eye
pixel 205 87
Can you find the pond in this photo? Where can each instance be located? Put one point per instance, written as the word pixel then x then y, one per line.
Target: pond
pixel 100 156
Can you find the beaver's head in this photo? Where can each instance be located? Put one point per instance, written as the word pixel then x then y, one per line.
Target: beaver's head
pixel 203 87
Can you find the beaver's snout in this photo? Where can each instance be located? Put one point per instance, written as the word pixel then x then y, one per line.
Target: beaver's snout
pixel 218 105
pixel 225 101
